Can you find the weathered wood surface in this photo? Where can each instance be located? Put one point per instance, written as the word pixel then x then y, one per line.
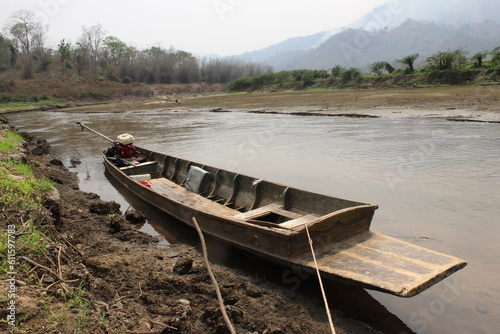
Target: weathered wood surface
pixel 384 263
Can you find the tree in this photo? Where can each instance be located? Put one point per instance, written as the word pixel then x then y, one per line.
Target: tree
pixel 496 56
pixel 186 67
pixel 114 49
pixel 336 70
pixel 91 40
pixel 351 75
pixel 389 68
pixel 28 35
pixel 64 50
pixel 156 65
pixel 409 62
pixel 478 58
pixel 379 67
pixel 5 53
pixel 449 60
pixel 129 65
pixel 79 57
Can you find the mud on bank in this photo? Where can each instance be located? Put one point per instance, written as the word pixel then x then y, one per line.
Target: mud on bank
pixel 98 274
pixel 474 102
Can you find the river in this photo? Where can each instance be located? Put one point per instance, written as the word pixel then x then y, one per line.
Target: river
pixel 437 183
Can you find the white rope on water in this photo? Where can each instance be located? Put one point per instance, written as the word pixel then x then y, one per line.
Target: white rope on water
pixel 332 327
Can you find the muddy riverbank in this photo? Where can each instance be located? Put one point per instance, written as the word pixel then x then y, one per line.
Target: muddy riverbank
pixel 480 103
pixel 127 284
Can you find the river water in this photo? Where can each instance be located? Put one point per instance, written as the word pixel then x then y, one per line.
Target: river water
pixel 437 183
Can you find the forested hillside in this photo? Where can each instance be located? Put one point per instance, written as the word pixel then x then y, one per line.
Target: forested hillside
pixel 25 53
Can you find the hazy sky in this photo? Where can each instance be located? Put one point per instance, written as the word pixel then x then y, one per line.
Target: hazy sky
pixel 223 27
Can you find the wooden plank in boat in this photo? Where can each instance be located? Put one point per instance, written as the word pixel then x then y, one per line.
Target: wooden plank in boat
pixel 142 164
pixel 258 212
pixel 294 223
pixel 384 263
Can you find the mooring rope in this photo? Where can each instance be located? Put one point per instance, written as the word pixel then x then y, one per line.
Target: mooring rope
pixel 332 327
pixel 214 281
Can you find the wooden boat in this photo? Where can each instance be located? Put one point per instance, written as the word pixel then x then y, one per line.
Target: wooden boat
pixel 269 219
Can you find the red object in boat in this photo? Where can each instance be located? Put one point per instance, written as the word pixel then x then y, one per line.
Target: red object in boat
pixel 127 151
pixel 146 184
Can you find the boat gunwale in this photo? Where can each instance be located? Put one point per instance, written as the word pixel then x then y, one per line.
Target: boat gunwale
pixel 152 155
pixel 249 222
pixel 286 232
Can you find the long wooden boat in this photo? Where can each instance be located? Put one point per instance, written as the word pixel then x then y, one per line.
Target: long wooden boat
pixel 269 219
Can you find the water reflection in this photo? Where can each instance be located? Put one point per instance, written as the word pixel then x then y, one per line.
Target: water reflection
pixel 436 183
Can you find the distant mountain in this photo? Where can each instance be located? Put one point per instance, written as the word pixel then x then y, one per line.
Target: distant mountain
pixel 390 32
pixel 358 48
pixel 287 50
pixel 449 12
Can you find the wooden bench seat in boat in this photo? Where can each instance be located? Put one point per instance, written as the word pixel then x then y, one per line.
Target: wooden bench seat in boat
pixel 142 164
pixel 255 213
pixel 294 223
pixel 294 219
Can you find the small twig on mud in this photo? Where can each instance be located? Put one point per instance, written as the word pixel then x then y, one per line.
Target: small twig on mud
pixel 144 317
pixel 59 261
pixel 65 254
pixel 48 269
pixel 118 300
pixel 214 281
pixel 37 277
pixel 102 303
pixel 48 258
pixel 66 241
pixel 50 285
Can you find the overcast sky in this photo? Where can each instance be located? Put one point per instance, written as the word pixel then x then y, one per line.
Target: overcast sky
pixel 203 27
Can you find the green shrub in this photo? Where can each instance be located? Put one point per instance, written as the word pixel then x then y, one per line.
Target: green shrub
pixel 127 80
pixel 6 98
pixel 9 98
pixel 450 77
pixel 351 76
pixel 95 95
pixel 297 79
pixel 493 74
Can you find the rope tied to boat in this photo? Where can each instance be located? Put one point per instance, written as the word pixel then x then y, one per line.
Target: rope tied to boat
pixel 332 327
pixel 214 281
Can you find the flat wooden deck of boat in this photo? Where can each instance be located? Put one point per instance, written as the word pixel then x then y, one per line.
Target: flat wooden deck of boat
pixel 269 219
pixel 383 263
